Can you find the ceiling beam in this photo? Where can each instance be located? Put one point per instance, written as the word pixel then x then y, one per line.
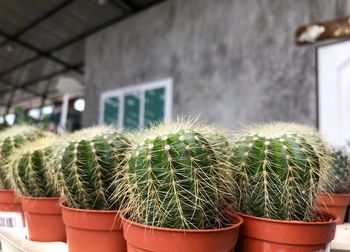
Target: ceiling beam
pixel 124 5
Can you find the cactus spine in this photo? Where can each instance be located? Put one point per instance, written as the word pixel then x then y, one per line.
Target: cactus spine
pixel 176 175
pixel 11 139
pixel 31 170
pixel 87 163
pixel 341 166
pixel 280 168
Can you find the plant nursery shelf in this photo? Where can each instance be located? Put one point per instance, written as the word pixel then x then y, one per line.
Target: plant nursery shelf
pixel 13 240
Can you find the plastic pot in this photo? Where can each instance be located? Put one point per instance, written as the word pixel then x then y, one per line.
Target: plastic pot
pixel 142 238
pixel 93 230
pixel 9 202
pixel 266 235
pixel 335 204
pixel 44 219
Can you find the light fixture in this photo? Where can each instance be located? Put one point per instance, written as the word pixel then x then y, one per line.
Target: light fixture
pixel 79 105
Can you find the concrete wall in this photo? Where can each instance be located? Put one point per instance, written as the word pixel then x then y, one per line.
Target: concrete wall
pixel 233 61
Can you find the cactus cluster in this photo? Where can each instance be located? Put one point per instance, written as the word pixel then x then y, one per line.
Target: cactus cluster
pixel 341 166
pixel 86 165
pixel 177 177
pixel 31 170
pixel 279 169
pixel 11 139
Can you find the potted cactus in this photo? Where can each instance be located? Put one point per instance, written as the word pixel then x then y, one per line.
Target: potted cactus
pixel 177 180
pixel 33 177
pixel 280 168
pixel 87 163
pixel 338 201
pixel 11 139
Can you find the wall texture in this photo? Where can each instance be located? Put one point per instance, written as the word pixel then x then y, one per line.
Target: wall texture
pixel 232 61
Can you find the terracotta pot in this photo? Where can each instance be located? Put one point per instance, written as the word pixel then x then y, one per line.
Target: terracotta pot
pixel 93 230
pixel 44 219
pixel 335 204
pixel 265 235
pixel 9 202
pixel 141 238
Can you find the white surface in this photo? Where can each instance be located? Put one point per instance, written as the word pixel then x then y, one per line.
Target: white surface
pixel 342 238
pixel 334 92
pixel 13 240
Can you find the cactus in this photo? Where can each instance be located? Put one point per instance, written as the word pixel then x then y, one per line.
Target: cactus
pixel 341 166
pixel 31 170
pixel 280 168
pixel 11 139
pixel 177 177
pixel 86 165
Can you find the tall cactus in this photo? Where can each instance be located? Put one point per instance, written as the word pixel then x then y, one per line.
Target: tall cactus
pixel 11 139
pixel 280 168
pixel 87 163
pixel 31 168
pixel 177 177
pixel 341 166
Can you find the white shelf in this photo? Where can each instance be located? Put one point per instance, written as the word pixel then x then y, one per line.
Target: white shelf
pixel 341 240
pixel 14 240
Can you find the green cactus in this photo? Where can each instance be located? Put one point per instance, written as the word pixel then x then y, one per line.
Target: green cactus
pixel 279 169
pixel 341 166
pixel 177 177
pixel 31 168
pixel 11 139
pixel 87 163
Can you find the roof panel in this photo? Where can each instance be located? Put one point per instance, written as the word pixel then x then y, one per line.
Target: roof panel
pixel 72 21
pixel 17 14
pixel 4 87
pixel 32 71
pixel 73 54
pixel 12 54
pixel 41 87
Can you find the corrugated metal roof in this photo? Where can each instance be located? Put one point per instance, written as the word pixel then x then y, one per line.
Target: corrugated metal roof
pixel 40 40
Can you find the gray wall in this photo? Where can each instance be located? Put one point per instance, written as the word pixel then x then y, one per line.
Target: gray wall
pixel 232 61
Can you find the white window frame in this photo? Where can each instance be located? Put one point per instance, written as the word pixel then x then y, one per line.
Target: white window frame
pixel 141 88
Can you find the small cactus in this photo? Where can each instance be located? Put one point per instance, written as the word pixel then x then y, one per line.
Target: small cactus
pixel 177 176
pixel 341 166
pixel 11 139
pixel 31 168
pixel 279 169
pixel 86 165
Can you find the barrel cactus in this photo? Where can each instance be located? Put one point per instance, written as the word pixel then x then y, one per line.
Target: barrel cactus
pixel 11 139
pixel 177 177
pixel 87 163
pixel 341 166
pixel 31 168
pixel 280 168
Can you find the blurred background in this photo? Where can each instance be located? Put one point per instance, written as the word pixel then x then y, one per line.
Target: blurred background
pixel 69 64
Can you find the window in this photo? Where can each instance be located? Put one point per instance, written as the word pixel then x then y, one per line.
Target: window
pixel 137 106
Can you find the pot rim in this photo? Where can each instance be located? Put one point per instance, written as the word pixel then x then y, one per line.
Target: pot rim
pixel 335 194
pixel 40 198
pixel 176 230
pixel 7 191
pixel 333 219
pixel 62 204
